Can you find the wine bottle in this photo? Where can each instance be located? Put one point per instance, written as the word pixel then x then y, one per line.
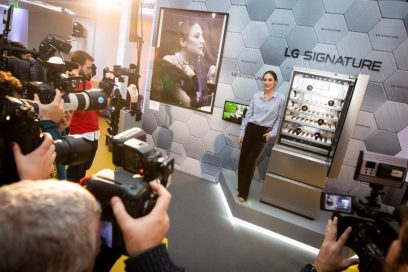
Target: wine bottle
pixel 298 130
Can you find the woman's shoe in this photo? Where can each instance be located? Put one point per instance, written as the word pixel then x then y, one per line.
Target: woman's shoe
pixel 241 199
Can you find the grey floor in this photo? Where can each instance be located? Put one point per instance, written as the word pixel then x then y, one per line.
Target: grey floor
pixel 202 238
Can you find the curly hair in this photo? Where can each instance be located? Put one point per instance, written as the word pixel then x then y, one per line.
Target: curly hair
pixel 9 84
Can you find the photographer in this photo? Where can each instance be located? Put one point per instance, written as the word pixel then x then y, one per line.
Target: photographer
pixel 51 116
pixel 20 54
pixel 330 257
pixel 54 121
pixel 53 226
pixel 37 164
pixel 84 123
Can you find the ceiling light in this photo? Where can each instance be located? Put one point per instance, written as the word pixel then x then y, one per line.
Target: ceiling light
pixel 47 6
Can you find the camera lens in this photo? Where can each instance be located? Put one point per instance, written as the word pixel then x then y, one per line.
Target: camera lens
pixel 320 122
pixel 72 150
pixel 330 103
pixel 309 87
pixel 91 100
pixel 304 108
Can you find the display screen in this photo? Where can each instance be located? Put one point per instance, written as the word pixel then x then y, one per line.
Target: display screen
pixel 336 203
pixel 234 112
pixel 106 233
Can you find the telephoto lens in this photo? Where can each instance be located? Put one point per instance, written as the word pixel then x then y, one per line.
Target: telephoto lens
pixel 72 150
pixel 90 100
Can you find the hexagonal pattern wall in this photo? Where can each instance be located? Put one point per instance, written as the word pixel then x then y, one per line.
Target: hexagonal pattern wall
pixel 261 35
pixel 260 10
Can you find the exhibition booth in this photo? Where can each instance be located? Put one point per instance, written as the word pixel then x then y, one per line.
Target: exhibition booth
pixel 341 66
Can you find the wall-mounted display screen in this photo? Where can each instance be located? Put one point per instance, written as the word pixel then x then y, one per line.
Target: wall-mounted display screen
pixel 234 112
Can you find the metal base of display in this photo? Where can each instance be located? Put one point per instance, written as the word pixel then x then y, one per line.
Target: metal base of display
pixel 297 197
pixel 299 228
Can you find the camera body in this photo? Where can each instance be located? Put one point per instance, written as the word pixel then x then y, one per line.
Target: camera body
pixel 50 76
pixel 373 231
pixel 135 194
pixel 52 44
pixel 374 227
pixel 139 163
pixel 19 123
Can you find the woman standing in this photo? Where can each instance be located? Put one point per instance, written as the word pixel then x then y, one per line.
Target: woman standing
pixel 259 126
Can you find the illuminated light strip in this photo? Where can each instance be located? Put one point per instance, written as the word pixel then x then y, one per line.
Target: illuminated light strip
pixel 267 232
pixel 47 6
pixel 225 202
pixel 70 12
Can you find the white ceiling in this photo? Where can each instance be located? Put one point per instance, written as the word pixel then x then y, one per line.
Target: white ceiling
pixel 85 8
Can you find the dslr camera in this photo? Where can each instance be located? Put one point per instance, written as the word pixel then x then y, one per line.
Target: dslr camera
pixel 374 227
pixel 137 163
pixel 49 73
pixel 19 123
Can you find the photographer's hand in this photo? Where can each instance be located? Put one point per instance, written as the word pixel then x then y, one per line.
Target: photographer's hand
pixel 65 121
pixel 330 255
pixel 53 111
pixel 39 163
pixel 145 232
pixel 94 82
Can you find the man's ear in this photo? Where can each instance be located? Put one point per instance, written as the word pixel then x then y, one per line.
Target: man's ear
pixel 182 42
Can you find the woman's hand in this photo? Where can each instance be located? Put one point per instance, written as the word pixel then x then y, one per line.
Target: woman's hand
pixel 212 74
pixel 267 137
pixel 241 139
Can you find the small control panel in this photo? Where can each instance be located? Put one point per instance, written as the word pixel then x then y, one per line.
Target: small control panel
pixel 381 169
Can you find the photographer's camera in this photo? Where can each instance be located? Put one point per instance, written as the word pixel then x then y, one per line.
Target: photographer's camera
pixel 374 226
pixel 138 164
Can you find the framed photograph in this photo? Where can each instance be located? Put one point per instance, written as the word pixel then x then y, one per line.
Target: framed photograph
pixel 187 58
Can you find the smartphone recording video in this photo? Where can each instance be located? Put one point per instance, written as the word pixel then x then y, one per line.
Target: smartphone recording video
pixel 336 203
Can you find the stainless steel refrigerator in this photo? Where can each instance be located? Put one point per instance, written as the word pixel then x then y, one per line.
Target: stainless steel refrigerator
pixel 320 114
